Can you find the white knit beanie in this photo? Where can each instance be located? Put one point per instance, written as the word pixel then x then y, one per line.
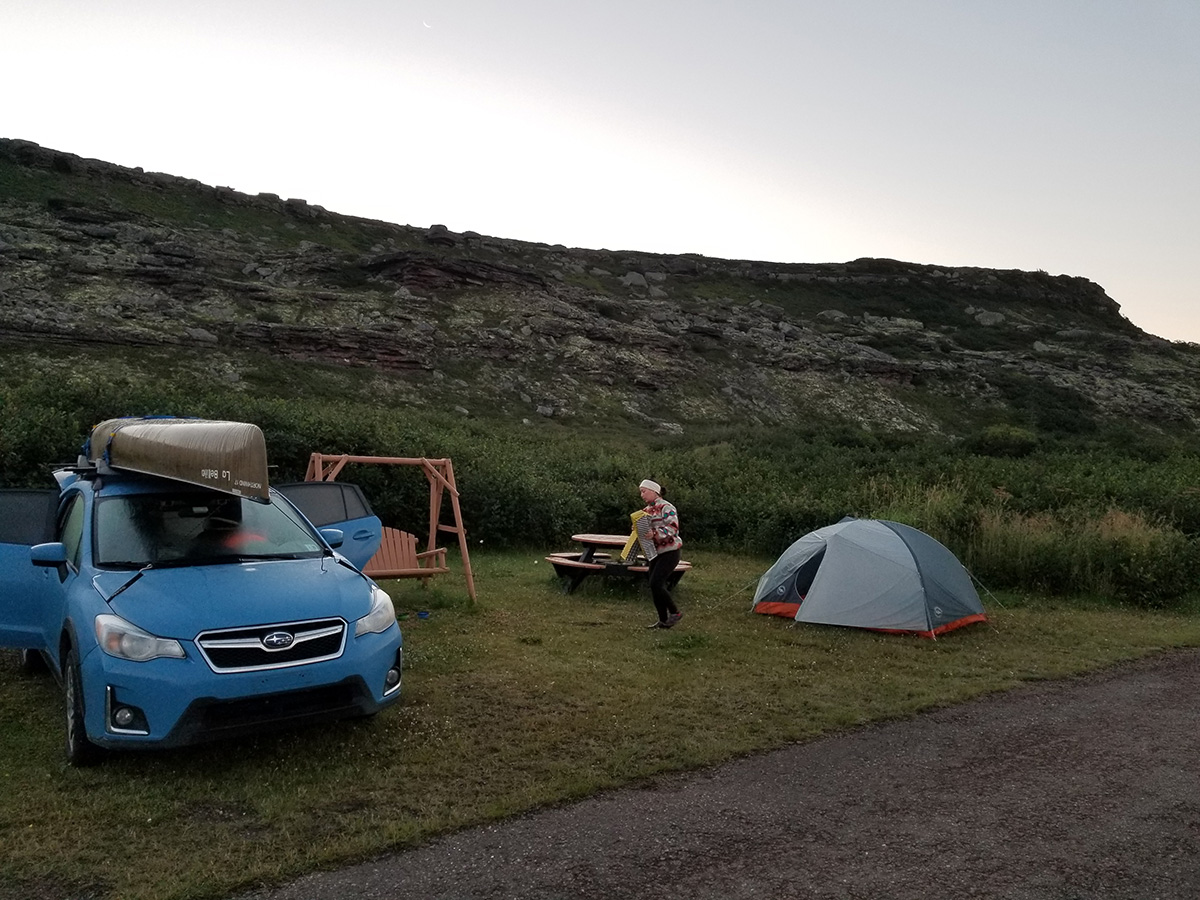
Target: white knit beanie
pixel 652 485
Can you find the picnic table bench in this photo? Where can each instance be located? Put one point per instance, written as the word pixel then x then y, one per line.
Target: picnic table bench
pixel 593 559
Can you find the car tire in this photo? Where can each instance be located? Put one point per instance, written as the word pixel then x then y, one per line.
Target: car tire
pixel 80 750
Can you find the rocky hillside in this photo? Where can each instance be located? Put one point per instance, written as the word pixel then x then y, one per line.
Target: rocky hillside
pixel 94 256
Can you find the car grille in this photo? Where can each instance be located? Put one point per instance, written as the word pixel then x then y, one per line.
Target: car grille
pixel 316 703
pixel 207 719
pixel 268 647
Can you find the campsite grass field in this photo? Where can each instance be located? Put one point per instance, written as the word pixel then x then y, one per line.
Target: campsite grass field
pixel 527 697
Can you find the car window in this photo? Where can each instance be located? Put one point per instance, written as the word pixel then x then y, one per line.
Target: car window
pixel 28 516
pixel 356 503
pixel 327 502
pixel 71 530
pixel 188 528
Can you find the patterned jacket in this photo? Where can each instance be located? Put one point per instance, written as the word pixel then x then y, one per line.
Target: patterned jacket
pixel 662 526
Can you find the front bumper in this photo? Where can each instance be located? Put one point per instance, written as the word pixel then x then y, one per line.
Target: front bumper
pixel 182 701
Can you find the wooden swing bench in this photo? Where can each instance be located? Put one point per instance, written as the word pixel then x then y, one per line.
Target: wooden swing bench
pixel 397 557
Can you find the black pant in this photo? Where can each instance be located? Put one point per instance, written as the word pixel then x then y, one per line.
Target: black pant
pixel 661 568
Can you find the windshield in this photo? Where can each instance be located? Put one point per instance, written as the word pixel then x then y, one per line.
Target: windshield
pixel 194 528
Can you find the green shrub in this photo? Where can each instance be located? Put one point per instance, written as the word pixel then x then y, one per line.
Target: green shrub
pixel 1053 517
pixel 1117 555
pixel 1002 440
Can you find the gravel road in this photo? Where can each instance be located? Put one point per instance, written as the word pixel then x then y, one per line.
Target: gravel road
pixel 1087 789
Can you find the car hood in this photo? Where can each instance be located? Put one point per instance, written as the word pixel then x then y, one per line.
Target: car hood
pixel 182 602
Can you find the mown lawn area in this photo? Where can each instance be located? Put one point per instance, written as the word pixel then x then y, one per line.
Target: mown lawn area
pixel 527 697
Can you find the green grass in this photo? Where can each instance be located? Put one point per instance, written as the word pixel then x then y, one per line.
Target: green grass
pixel 529 697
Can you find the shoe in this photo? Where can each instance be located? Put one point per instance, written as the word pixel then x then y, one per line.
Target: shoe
pixel 659 625
pixel 673 619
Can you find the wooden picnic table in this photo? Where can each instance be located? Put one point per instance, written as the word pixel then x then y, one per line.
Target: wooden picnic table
pixel 593 543
pixel 593 559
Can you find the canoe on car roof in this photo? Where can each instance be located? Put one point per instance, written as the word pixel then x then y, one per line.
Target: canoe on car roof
pixel 225 456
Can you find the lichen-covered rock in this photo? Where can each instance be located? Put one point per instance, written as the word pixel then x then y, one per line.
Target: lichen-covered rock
pixel 676 339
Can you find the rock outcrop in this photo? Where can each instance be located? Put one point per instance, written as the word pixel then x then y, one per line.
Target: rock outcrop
pixel 93 253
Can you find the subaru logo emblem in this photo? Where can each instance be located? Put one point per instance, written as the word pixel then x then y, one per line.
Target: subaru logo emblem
pixel 277 640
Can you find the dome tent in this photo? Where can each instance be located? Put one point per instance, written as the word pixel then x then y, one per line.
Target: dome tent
pixel 870 573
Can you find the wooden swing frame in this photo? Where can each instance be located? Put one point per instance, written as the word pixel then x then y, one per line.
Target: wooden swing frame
pixel 440 474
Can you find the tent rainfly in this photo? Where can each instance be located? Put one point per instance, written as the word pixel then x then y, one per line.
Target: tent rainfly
pixel 871 573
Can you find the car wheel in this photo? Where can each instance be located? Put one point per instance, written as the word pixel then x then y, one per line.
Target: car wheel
pixel 80 750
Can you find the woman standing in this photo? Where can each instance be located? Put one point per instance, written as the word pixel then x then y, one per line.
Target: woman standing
pixel 658 533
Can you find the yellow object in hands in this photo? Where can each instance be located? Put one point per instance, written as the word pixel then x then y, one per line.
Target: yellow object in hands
pixel 633 536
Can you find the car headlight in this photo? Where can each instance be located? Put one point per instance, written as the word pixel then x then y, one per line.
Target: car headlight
pixel 381 617
pixel 125 641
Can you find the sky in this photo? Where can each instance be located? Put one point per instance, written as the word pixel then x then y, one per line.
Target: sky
pixel 1060 135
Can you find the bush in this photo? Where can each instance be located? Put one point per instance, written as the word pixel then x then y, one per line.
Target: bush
pixel 1020 514
pixel 1002 440
pixel 1120 556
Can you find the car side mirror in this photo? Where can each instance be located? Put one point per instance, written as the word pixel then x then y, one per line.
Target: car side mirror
pixel 334 537
pixel 51 555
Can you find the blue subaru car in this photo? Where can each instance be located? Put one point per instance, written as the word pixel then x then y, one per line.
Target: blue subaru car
pixel 174 613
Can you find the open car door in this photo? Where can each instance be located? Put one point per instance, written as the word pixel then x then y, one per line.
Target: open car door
pixel 26 519
pixel 336 504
